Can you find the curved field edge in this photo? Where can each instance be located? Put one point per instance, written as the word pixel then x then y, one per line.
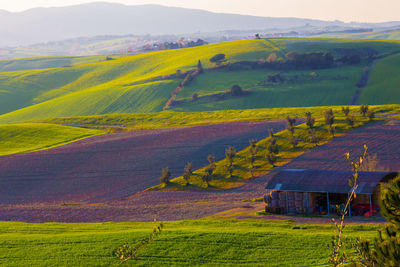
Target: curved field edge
pixel 197 242
pixel 221 178
pixel 47 62
pixel 29 137
pixel 141 121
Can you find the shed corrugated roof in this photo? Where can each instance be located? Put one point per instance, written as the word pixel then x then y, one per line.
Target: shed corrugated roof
pixel 305 180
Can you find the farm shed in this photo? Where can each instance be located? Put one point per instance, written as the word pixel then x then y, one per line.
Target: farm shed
pixel 319 191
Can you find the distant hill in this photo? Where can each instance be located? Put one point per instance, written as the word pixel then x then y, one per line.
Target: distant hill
pixel 50 24
pixel 392 34
pixel 148 82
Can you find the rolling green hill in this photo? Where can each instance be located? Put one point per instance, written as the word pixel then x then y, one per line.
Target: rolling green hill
pixel 27 137
pixel 47 62
pixel 144 82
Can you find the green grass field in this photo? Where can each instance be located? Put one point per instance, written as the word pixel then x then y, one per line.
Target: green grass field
pixel 332 87
pixel 47 62
pixel 123 85
pixel 85 85
pixel 141 121
pixel 384 84
pixel 28 137
pixel 183 243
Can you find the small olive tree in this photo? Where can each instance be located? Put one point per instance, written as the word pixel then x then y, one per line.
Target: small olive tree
pixel 206 177
pixel 346 111
pixel 364 110
pixel 230 154
pixel 329 120
pixel 271 158
pixel 313 137
pixel 165 175
pixel 187 172
pixel 253 155
pixel 310 121
pixel 290 124
pixel 350 121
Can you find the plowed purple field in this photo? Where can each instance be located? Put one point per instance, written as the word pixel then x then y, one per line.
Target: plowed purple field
pixel 108 167
pixel 382 139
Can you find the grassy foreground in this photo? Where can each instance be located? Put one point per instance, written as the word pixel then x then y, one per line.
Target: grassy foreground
pixel 27 137
pixel 183 243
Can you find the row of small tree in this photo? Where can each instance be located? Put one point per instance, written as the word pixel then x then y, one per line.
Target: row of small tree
pixel 272 152
pixel 230 155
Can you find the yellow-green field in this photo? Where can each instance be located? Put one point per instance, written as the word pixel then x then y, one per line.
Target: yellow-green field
pixel 27 137
pixel 141 121
pixel 128 84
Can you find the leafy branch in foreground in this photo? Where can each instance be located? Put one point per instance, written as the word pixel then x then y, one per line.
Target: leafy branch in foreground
pixel 386 245
pixel 127 252
pixel 339 257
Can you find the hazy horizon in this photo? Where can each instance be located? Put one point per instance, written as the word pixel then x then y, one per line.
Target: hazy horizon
pixel 342 10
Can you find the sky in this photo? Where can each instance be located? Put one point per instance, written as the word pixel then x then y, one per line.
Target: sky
pixel 344 10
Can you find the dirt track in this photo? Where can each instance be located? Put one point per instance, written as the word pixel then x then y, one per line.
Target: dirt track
pixel 109 167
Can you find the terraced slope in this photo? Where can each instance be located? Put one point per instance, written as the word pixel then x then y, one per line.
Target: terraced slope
pixel 143 83
pixel 113 166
